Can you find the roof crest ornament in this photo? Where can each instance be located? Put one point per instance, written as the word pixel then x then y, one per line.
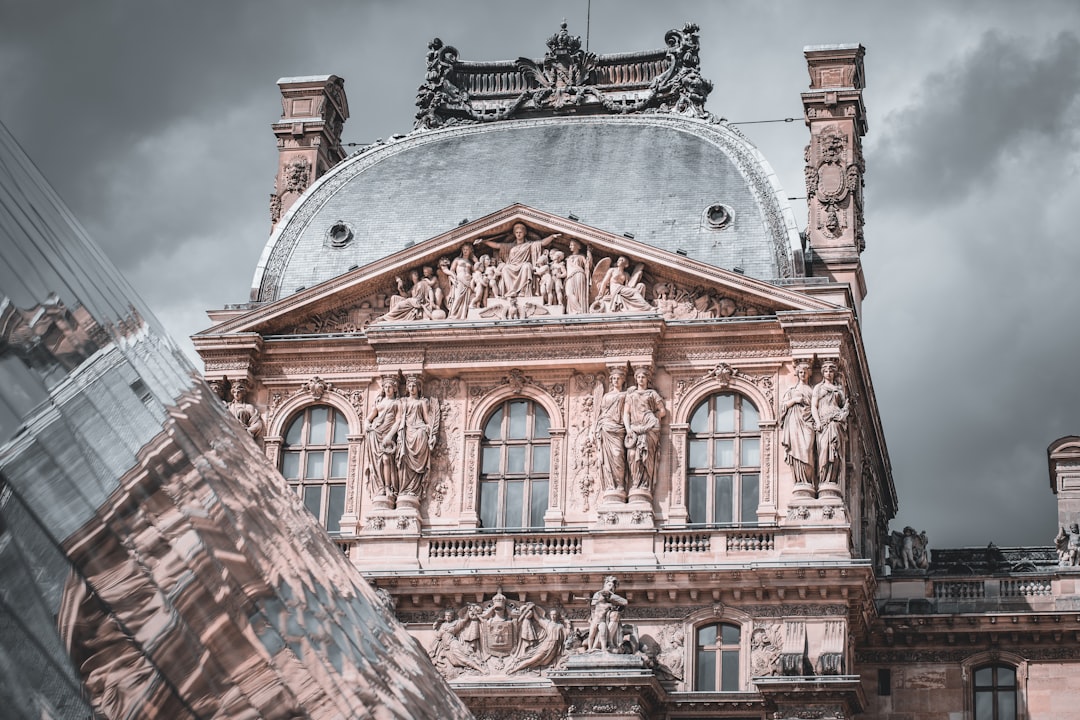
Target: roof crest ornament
pixel 567 80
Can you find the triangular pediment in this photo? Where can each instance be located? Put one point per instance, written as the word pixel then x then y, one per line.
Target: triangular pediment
pixel 481 271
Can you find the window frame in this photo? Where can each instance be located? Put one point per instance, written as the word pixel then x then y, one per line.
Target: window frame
pixel 531 480
pixel 712 473
pixel 718 649
pixel 304 449
pixel 997 658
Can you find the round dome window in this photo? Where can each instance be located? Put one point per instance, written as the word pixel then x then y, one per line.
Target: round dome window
pixel 718 216
pixel 339 235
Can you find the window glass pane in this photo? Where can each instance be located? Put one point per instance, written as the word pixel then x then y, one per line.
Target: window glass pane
pixel 341 429
pixel 515 459
pixel 1006 676
pixel 292 435
pixel 729 671
pixel 984 677
pixel 316 465
pixel 699 453
pixel 515 499
pixel 724 453
pixel 290 465
pixel 489 504
pixel 313 499
pixel 729 634
pixel 750 417
pixel 725 413
pixel 705 674
pixel 517 413
pixel 489 461
pixel 984 706
pixel 697 500
pixel 317 429
pixel 541 423
pixel 1006 705
pixel 750 449
pixel 538 501
pixel 699 423
pixel 335 507
pixel 722 507
pixel 749 500
pixel 493 429
pixel 541 459
pixel 339 461
pixel 706 635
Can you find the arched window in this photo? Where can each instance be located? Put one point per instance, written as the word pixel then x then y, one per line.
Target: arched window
pixel 315 460
pixel 716 658
pixel 995 692
pixel 515 461
pixel 723 461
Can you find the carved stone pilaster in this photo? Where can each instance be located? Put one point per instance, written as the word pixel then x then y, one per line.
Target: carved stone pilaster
pixel 835 114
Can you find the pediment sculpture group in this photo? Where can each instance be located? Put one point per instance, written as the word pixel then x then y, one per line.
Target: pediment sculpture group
pixel 400 434
pixel 501 637
pixel 813 432
pixel 527 275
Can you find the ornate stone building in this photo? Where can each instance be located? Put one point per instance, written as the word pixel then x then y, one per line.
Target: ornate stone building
pixel 558 370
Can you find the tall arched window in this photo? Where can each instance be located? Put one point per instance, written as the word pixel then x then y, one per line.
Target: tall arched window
pixel 995 692
pixel 724 461
pixel 515 461
pixel 315 460
pixel 716 658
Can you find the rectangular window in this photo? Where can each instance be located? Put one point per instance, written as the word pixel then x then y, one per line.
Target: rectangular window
pixel 749 492
pixel 335 508
pixel 489 504
pixel 884 681
pixel 339 462
pixel 705 673
pixel 515 503
pixel 538 502
pixel 313 499
pixel 722 507
pixel 698 498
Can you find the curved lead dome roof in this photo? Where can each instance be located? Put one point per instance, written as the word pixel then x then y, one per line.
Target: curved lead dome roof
pixel 680 184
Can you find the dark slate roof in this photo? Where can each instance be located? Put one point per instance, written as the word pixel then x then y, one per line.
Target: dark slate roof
pixel 654 176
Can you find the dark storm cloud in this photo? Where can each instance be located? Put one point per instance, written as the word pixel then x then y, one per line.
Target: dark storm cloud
pixel 974 114
pixel 152 120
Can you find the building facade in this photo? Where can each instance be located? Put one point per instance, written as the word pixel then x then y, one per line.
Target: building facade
pixel 558 370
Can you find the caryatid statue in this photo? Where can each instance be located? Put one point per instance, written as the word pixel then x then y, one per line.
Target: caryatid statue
pixel 797 431
pixel 419 433
pixel 829 406
pixel 381 431
pixel 610 433
pixel 642 412
pixel 245 412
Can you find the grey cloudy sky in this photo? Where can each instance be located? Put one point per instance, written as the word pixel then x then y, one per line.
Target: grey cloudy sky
pixel 152 120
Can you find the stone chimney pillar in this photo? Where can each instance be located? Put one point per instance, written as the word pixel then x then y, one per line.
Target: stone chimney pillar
pixel 836 117
pixel 1064 457
pixel 313 112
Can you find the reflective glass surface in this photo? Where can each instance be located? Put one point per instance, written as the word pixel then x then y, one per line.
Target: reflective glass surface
pixel 152 563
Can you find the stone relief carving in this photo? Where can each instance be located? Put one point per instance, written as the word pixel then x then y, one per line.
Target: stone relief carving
pixel 766 646
pixel 908 550
pixel 245 412
pixel 643 411
pixel 500 638
pixel 1067 544
pixel 517 380
pixel 831 657
pixel 672 657
pixel 439 95
pixel 381 429
pixel 832 183
pixel 445 456
pixel 528 275
pixel 793 659
pixel 584 458
pixel 296 175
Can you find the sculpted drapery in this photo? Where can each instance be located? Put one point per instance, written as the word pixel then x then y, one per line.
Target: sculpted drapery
pixel 830 410
pixel 797 428
pixel 519 260
pixel 643 410
pixel 610 432
pixel 419 432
